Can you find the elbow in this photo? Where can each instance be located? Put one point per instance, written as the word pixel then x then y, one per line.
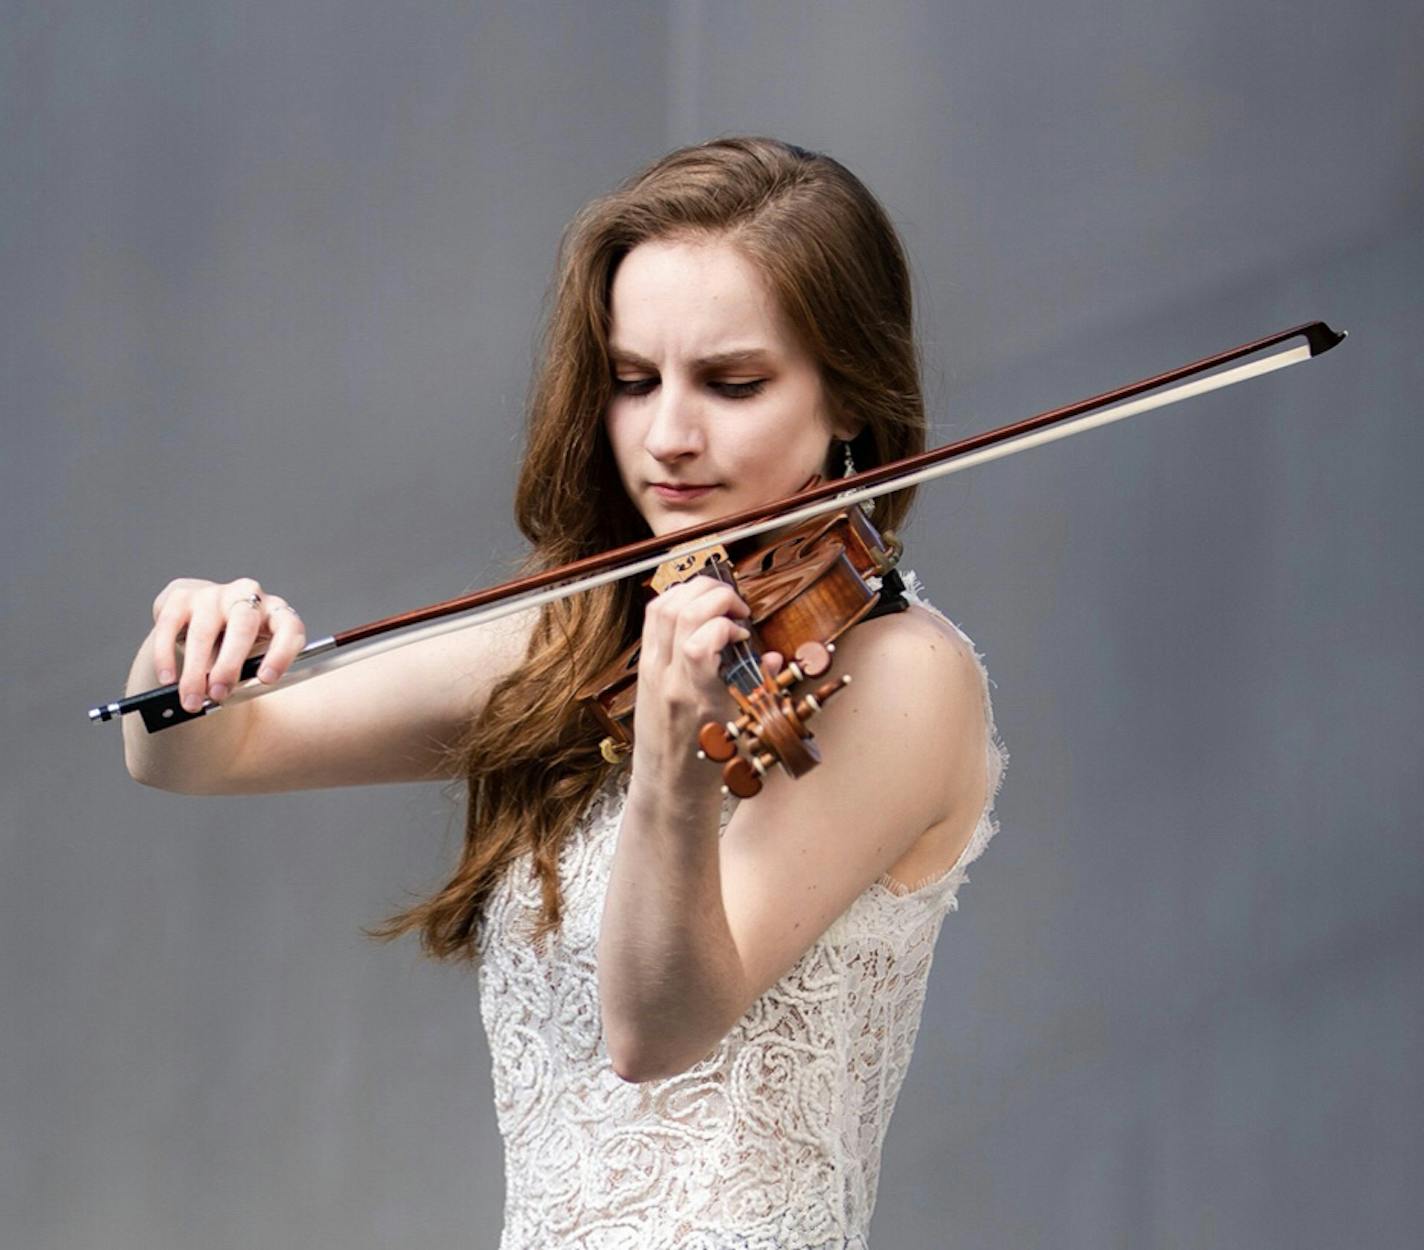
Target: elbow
pixel 652 1032
pixel 155 780
pixel 634 1061
pixel 637 1057
pixel 141 769
pixel 147 772
pixel 139 759
pixel 639 1068
pixel 625 1069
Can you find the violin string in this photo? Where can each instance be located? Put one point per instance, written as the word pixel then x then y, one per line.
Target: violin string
pixel 740 663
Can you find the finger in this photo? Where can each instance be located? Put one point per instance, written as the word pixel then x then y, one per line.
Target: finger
pixel 243 624
pixel 241 588
pixel 703 600
pixel 656 637
pixel 170 591
pixel 703 647
pixel 203 628
pixel 171 619
pixel 289 635
pixel 698 588
pixel 708 620
pixel 706 586
pixel 679 611
pixel 661 622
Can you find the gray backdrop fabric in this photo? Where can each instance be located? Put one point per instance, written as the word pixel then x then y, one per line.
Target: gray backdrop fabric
pixel 272 277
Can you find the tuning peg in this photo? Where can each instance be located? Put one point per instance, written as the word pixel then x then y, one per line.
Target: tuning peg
pixel 813 702
pixel 814 658
pixel 740 778
pixel 717 742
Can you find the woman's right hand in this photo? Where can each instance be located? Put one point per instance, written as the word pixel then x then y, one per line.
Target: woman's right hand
pixel 219 625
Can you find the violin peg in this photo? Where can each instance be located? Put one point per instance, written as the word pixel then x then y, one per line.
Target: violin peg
pixel 716 742
pixel 824 692
pixel 741 779
pixel 612 750
pixel 814 658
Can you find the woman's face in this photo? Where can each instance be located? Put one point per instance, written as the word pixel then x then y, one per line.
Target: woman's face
pixel 716 407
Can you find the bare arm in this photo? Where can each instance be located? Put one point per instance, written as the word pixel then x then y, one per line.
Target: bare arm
pixel 388 718
pixel 696 928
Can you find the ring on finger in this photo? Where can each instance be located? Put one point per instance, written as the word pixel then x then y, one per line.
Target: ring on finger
pixel 253 600
pixel 284 607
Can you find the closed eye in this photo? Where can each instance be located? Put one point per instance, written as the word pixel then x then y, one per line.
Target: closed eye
pixel 738 390
pixel 728 390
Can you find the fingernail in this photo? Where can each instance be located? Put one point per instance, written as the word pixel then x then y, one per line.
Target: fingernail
pixel 166 676
pixel 191 702
pixel 267 673
pixel 218 690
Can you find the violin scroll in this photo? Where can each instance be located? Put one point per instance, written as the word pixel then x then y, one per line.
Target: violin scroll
pixel 771 729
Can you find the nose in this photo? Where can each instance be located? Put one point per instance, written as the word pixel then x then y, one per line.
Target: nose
pixel 675 430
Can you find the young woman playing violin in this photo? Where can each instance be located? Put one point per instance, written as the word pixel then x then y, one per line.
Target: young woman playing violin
pixel 700 1012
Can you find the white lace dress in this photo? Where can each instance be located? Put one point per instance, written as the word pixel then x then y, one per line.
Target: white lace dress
pixel 773 1141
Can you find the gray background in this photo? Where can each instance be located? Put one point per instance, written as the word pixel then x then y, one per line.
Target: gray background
pixel 271 279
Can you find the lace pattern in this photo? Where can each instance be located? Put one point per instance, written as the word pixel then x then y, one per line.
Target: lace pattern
pixel 772 1142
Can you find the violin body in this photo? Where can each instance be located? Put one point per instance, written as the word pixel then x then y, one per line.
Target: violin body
pixel 805 589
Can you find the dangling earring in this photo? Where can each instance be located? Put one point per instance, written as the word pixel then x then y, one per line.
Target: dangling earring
pixel 868 507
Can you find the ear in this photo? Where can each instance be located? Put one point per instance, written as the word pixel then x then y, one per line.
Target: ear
pixel 846 428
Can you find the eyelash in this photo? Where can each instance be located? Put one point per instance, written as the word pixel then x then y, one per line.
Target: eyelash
pixel 638 387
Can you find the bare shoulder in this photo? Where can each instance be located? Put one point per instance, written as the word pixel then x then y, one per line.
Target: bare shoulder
pixel 902 786
pixel 918 656
pixel 920 720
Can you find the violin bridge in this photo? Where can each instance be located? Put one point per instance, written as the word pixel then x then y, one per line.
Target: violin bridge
pixel 681 567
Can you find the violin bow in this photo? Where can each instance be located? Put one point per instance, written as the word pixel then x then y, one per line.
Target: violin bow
pixel 160 707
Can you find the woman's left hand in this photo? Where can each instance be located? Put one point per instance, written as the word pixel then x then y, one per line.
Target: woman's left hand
pixel 679 683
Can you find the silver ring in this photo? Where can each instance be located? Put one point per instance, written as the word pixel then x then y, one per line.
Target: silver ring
pixel 253 600
pixel 283 607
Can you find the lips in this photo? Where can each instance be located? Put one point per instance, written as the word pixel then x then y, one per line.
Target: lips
pixel 681 492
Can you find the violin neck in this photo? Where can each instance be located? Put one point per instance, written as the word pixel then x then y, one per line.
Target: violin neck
pixel 741 661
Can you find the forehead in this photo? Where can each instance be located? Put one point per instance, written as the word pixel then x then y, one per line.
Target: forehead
pixel 692 297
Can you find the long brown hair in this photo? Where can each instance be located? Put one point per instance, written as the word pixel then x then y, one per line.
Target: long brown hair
pixel 831 257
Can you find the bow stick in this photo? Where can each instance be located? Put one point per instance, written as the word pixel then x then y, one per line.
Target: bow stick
pixel 160 707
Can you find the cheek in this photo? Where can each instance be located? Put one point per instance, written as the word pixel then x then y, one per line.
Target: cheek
pixel 810 433
pixel 798 452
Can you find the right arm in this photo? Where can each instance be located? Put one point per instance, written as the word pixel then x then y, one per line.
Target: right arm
pixel 391 717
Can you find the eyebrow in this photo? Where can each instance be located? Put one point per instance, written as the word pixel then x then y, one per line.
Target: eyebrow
pixel 717 360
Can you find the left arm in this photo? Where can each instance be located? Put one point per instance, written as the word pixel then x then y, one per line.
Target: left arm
pixel 696 927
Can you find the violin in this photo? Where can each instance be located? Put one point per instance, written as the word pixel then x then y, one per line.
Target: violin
pixel 804 589
pixel 830 565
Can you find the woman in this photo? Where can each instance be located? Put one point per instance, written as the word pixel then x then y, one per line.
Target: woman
pixel 699 1018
